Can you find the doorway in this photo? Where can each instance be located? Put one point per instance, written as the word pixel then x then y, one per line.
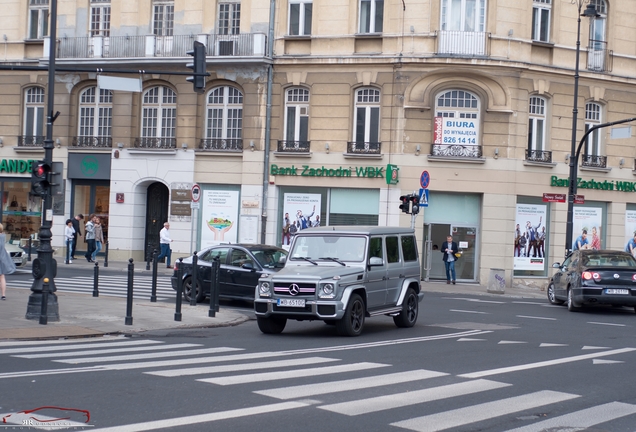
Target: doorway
pixel 156 215
pixel 433 267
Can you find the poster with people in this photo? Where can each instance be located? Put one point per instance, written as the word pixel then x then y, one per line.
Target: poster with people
pixel 219 217
pixel 587 224
pixel 530 237
pixel 630 232
pixel 300 211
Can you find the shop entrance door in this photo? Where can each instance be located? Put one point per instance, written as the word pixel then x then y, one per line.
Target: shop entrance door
pixel 427 245
pixel 466 238
pixel 156 215
pixel 437 236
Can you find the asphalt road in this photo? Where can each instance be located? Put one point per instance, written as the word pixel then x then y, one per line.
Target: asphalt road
pixel 471 363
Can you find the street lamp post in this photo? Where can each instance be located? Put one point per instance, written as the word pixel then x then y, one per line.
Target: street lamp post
pixel 589 12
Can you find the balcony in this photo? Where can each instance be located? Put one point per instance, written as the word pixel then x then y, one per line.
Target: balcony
pixel 364 148
pixel 221 145
pixel 31 141
pixel 92 142
pixel 599 58
pixel 155 143
pixel 593 161
pixel 456 151
pixel 463 43
pixel 293 146
pixel 539 156
pixel 87 47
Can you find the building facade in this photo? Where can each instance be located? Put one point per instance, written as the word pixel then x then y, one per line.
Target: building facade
pixel 473 96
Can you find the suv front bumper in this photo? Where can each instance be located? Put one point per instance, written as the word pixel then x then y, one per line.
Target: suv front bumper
pixel 313 310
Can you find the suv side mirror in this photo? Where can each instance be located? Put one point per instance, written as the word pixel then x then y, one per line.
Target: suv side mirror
pixel 248 266
pixel 375 262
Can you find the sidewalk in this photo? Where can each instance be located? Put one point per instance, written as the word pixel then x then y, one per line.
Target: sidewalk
pixel 82 315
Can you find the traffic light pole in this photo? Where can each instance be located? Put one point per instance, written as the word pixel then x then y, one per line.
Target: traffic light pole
pixel 45 266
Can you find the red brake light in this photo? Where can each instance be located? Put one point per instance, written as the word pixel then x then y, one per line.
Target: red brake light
pixel 597 277
pixel 634 278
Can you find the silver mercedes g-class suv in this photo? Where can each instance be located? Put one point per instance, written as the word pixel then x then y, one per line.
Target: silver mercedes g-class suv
pixel 341 275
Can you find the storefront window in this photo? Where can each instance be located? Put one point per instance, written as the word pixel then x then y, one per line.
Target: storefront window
pixel 21 211
pixel 91 198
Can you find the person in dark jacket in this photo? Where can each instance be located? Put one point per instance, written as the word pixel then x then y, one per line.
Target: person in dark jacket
pixel 449 251
pixel 76 226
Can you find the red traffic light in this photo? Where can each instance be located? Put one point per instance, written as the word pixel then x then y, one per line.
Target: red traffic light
pixel 41 170
pixel 40 179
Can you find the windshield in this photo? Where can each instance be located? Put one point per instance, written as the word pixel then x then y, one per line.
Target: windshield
pixel 270 258
pixel 345 248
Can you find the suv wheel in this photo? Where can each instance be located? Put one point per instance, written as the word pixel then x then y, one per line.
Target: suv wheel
pixel 408 316
pixel 271 325
pixel 352 322
pixel 187 289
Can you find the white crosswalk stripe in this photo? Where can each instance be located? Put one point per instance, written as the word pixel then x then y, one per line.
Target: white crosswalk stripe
pixel 108 285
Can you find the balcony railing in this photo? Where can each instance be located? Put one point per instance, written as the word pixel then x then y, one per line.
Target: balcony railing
pixel 599 58
pixel 462 43
pixel 30 141
pixel 155 143
pixel 98 141
pixel 85 47
pixel 456 150
pixel 216 144
pixel 539 156
pixel 293 146
pixel 593 161
pixel 364 148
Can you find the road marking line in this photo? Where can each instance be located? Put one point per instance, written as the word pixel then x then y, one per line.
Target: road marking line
pixel 39 421
pixel 528 303
pixel 466 311
pixel 470 340
pixel 511 342
pixel 181 353
pixel 600 361
pixel 593 347
pixel 23 374
pixel 535 365
pixel 474 300
pixel 107 351
pixel 549 345
pixel 60 341
pixel 536 317
pixel 99 344
pixel 295 392
pixel 483 411
pixel 381 403
pixel 289 374
pixel 607 324
pixel 582 419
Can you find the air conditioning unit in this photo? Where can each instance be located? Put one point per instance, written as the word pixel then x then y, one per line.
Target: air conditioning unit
pixel 225 47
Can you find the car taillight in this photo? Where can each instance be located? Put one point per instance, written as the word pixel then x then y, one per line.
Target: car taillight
pixel 592 275
pixel 634 278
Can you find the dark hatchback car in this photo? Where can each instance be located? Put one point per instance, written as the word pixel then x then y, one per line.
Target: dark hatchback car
pixel 241 267
pixel 589 277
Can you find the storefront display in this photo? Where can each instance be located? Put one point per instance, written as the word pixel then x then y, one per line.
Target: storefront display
pixel 21 212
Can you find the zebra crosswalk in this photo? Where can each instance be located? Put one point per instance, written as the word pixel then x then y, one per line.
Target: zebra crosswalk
pixel 324 382
pixel 108 285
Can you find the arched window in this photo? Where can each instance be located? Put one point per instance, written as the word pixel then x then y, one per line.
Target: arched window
pixel 593 117
pixel 159 117
pixel 224 119
pixel 598 37
pixel 95 118
pixel 456 127
pixel 296 115
pixel 366 121
pixel 33 116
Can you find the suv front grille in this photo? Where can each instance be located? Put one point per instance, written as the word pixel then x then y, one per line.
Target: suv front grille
pixel 304 289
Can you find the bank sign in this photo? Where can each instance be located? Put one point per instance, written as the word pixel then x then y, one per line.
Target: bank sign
pixel 455 131
pixel 621 186
pixel 370 172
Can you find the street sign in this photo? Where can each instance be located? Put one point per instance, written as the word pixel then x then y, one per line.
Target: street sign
pixel 425 180
pixel 423 197
pixel 392 174
pixel 195 205
pixel 196 193
pixel 550 197
pixel 579 199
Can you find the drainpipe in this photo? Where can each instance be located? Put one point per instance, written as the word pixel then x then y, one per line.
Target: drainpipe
pixel 268 118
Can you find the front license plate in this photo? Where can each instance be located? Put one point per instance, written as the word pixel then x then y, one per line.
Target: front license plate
pixel 291 302
pixel 616 291
pixel 17 260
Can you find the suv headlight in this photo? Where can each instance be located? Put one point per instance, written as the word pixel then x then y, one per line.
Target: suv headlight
pixel 264 289
pixel 327 290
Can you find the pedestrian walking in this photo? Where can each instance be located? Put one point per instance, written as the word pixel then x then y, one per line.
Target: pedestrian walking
pixel 78 232
pixel 69 236
pixel 164 244
pixel 89 236
pixel 7 266
pixel 450 253
pixel 99 237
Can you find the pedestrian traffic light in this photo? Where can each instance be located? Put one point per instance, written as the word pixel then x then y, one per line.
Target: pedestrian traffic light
pixel 415 208
pixel 40 181
pixel 198 66
pixel 405 203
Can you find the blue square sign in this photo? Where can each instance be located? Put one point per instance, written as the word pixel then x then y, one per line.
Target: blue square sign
pixel 423 197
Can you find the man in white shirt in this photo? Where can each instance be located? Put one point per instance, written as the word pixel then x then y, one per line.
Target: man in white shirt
pixel 164 244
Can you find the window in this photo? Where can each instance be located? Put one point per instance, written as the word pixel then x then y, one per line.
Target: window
pixel 409 248
pixel 95 113
pixel 541 20
pixel 159 113
pixel 392 250
pixel 297 114
pixel 300 17
pixel 536 123
pixel 163 18
pixel 34 115
pixel 371 16
pixel 367 116
pixel 375 247
pixel 458 112
pixel 224 118
pixel 229 18
pixel 598 25
pixel 593 118
pixel 464 15
pixel 38 19
pixel 100 18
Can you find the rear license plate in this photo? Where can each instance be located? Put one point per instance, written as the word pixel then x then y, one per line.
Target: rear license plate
pixel 616 291
pixel 291 302
pixel 17 260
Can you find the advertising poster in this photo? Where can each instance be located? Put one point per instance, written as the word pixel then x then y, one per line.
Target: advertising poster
pixel 449 130
pixel 587 224
pixel 630 231
pixel 529 237
pixel 300 211
pixel 219 217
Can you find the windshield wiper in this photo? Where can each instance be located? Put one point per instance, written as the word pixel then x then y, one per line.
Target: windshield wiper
pixel 334 260
pixel 306 259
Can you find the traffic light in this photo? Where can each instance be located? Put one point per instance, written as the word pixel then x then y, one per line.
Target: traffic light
pixel 415 208
pixel 405 203
pixel 40 181
pixel 198 66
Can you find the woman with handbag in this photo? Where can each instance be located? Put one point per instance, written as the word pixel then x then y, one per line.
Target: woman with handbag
pixel 7 265
pixel 450 253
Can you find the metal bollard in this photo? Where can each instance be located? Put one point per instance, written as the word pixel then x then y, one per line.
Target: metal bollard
pixel 129 297
pixel 106 255
pixel 218 284
pixel 30 243
pixel 153 294
pixel 193 280
pixel 148 258
pixel 177 313
pixel 214 286
pixel 96 280
pixel 68 251
pixel 44 318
